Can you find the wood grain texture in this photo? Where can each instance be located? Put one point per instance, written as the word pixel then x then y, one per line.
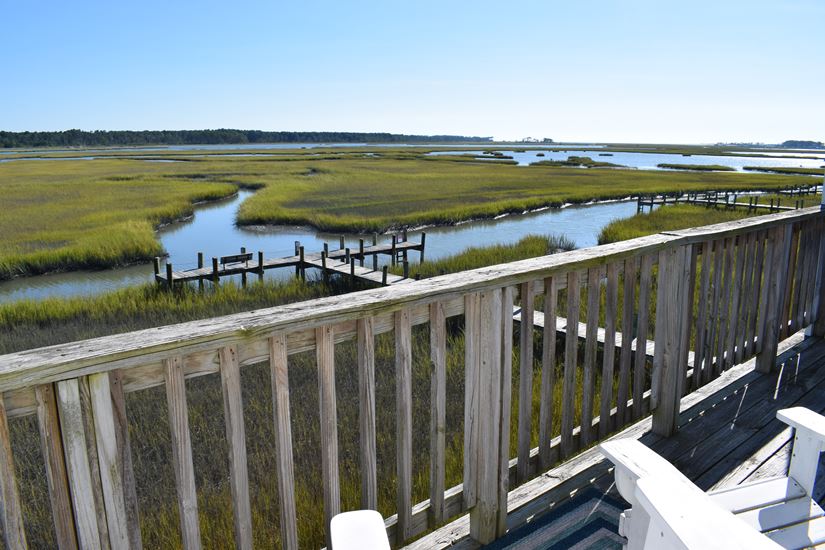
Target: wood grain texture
pixel 506 385
pixel 525 403
pixel 438 414
pixel 94 462
pixel 699 359
pixel 777 261
pixel 182 454
pixel 471 396
pixel 626 356
pixel 14 534
pixel 759 295
pixel 609 354
pixel 279 374
pixel 548 371
pixel 641 334
pixel 571 348
pixel 124 445
pixel 236 439
pixel 590 348
pixel 325 358
pixel 366 412
pixel 56 476
pixel 77 463
pixel 403 418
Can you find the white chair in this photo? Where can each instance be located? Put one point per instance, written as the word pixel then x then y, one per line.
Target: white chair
pixel 669 511
pixel 358 530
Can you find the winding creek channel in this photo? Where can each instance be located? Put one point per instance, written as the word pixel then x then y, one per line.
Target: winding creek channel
pixel 212 230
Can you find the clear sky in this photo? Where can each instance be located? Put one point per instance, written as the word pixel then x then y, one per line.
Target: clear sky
pixel 621 71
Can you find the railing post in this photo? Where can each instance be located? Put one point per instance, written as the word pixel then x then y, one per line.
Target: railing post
pixel 818 327
pixel 776 275
pixel 484 344
pixel 673 315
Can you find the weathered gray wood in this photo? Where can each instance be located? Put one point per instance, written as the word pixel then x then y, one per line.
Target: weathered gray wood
pixel 403 419
pixel 723 361
pixel 236 438
pixel 525 403
pixel 745 307
pixel 471 396
pixel 56 477
pixel 686 357
pixel 484 516
pixel 641 335
pixel 77 464
pixel 506 385
pixel 590 348
pixel 759 295
pixel 777 262
pixel 705 294
pixel 366 412
pixel 182 453
pixel 609 353
pixel 818 251
pixel 325 358
pixel 548 371
pixel 734 343
pixel 14 534
pixel 712 360
pixel 438 404
pixel 571 349
pixel 125 456
pixel 108 455
pixel 279 374
pixel 792 278
pixel 796 305
pixel 626 357
pixel 94 462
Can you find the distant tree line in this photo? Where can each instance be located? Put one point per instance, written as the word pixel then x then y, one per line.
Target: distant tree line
pixel 105 138
pixel 803 144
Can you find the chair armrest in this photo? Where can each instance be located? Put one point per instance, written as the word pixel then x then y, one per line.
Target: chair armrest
pixel 684 517
pixel 633 461
pixel 358 530
pixel 804 419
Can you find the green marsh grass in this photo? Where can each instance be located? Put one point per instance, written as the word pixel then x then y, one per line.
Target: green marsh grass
pixel 667 218
pixel 698 167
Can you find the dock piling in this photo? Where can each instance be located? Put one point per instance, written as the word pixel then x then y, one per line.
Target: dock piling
pixel 156 263
pixel 361 252
pixel 169 281
pixel 260 265
pixel 384 276
pixel 214 270
pixel 301 265
pixel 423 240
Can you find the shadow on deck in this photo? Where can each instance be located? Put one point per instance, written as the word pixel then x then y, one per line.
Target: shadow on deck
pixel 728 434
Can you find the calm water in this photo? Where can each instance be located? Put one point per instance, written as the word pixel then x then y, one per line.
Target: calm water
pixel 649 161
pixel 213 231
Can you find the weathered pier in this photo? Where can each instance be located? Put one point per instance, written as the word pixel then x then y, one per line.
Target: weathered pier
pixel 342 261
pixel 730 200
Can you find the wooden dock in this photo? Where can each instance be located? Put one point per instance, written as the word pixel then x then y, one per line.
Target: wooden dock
pixel 342 261
pixel 730 200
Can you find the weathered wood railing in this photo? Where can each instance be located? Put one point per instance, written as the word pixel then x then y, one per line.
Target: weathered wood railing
pixel 729 292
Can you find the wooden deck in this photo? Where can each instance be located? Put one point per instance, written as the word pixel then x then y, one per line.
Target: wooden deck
pixel 728 434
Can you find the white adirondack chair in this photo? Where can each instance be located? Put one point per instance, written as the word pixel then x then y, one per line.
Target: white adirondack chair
pixel 358 530
pixel 669 511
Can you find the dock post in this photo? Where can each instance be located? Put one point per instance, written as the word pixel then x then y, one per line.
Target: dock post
pixel 384 276
pixel 347 258
pixel 156 264
pixel 341 242
pixel 352 269
pixel 423 240
pixel 214 270
pixel 361 252
pixel 200 266
pixel 375 256
pixel 246 264
pixel 404 234
pixel 302 266
pixel 300 260
pixel 324 266
pixel 406 269
pixel 169 281
pixel 394 238
pixel 260 265
pixel 326 249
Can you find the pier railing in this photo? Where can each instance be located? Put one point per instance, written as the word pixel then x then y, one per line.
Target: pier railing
pixel 616 331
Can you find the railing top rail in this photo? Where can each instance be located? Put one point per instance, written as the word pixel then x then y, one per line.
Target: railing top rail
pixel 52 363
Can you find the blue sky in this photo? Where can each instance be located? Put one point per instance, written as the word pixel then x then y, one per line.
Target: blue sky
pixel 629 71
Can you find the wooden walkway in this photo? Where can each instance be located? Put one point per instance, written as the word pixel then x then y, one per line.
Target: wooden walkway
pixel 728 434
pixel 343 261
pixel 730 200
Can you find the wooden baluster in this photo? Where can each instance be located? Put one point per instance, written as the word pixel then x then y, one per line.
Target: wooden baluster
pixel 125 455
pixel 366 416
pixel 805 278
pixel 403 418
pixel 745 307
pixel 571 348
pixel 686 322
pixel 712 361
pixel 471 343
pixel 724 307
pixel 108 453
pixel 609 353
pixel 548 372
pixel 506 385
pixel 438 404
pixel 733 344
pixel 641 335
pixel 283 440
pixel 816 254
pixel 759 295
pixel 590 347
pixel 786 312
pixel 94 462
pixel 325 357
pixel 236 438
pixel 14 534
pixel 182 453
pixel 701 317
pixel 626 357
pixel 72 429
pixel 525 403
